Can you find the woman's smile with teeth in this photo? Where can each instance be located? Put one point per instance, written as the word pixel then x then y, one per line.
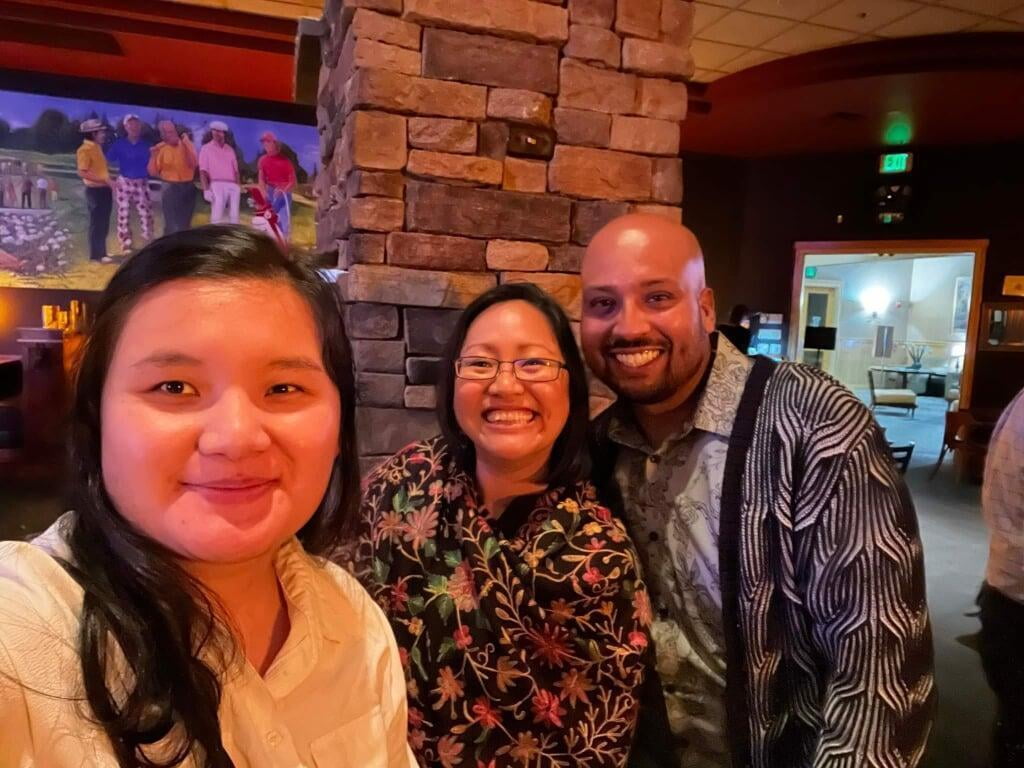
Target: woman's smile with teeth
pixel 508 416
pixel 637 359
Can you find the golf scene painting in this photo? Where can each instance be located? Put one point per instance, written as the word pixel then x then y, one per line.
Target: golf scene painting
pixel 84 184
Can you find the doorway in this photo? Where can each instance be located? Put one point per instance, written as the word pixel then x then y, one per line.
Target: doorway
pixel 906 312
pixel 821 302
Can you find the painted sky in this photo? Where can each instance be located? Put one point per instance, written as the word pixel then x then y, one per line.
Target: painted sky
pixel 22 109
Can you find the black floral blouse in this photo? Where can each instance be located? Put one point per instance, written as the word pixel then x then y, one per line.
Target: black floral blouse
pixel 523 639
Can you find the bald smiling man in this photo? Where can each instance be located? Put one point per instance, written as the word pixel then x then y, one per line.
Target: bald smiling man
pixel 780 544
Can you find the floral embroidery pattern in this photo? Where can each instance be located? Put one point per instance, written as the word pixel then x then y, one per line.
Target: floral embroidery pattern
pixel 520 650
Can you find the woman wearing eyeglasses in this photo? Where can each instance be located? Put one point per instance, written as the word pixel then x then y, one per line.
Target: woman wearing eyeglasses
pixel 515 596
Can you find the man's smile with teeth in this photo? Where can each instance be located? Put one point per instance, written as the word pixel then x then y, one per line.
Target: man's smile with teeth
pixel 637 359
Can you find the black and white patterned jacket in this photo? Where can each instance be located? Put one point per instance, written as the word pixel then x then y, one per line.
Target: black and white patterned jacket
pixel 828 641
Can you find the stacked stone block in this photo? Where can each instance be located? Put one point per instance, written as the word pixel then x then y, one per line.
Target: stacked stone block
pixel 468 143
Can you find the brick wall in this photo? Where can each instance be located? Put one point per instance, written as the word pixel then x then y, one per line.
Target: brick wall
pixel 471 142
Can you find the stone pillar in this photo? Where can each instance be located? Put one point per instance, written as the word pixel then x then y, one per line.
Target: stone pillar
pixel 471 142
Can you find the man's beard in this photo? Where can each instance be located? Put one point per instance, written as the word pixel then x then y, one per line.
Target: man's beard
pixel 673 377
pixel 641 392
pixel 646 392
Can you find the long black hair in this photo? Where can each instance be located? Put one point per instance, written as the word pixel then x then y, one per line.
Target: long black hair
pixel 570 454
pixel 136 595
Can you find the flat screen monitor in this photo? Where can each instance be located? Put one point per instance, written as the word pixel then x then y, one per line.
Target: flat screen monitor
pixel 819 337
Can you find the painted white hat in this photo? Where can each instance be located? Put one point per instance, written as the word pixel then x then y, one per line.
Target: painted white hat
pixel 90 125
pixel 219 125
pixel 128 117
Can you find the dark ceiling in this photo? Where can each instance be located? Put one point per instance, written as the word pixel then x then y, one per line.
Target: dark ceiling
pixel 942 90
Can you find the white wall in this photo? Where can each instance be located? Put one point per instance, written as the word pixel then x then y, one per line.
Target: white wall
pixel 931 297
pixel 920 311
pixel 854 321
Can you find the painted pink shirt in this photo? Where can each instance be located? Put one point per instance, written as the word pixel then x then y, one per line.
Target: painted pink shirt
pixel 220 163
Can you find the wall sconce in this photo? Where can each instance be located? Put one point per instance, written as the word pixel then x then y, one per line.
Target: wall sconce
pixel 875 300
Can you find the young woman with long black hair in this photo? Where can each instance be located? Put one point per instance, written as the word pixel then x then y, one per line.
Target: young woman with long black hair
pixel 180 615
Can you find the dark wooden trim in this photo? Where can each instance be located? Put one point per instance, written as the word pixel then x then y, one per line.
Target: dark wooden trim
pixel 154 96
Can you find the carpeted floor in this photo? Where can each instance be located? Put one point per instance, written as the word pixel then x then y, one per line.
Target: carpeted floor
pixel 955 549
pixel 955 546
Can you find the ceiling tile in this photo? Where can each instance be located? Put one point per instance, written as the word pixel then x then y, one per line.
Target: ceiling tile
pixel 707 75
pixel 750 59
pixel 747 29
pixel 931 21
pixel 709 55
pixel 990 7
pixel 790 9
pixel 808 37
pixel 704 14
pixel 998 25
pixel 865 15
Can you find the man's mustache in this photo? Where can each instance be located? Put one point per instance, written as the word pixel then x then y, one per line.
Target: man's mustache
pixel 636 343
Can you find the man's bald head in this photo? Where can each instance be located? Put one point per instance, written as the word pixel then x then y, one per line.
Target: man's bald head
pixel 647 312
pixel 168 132
pixel 637 237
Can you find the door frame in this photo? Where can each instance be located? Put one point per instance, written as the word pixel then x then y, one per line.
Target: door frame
pixel 979 248
pixel 835 288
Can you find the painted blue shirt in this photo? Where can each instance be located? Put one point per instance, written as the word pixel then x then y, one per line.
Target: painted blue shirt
pixel 131 159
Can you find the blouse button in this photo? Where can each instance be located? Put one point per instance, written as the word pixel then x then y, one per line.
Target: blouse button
pixel 273 738
pixel 654 458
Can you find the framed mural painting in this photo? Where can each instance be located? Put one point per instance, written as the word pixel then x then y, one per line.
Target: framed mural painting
pixel 85 182
pixel 961 306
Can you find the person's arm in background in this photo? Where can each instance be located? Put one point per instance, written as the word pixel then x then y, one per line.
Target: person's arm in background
pixel 292 179
pixel 865 596
pixel 261 178
pixel 85 171
pixel 112 152
pixel 154 160
pixel 191 160
pixel 204 168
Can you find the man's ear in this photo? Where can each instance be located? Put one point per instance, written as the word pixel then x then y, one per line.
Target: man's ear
pixel 706 301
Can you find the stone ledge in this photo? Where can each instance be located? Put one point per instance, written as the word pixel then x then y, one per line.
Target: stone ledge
pixel 601 174
pixel 387 29
pixel 486 213
pixel 443 165
pixel 566 289
pixel 519 19
pixel 383 89
pixel 488 60
pixel 516 255
pixel 413 287
pixel 420 251
pixel 388 430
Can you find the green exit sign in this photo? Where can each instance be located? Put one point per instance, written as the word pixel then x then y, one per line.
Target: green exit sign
pixel 810 272
pixel 896 162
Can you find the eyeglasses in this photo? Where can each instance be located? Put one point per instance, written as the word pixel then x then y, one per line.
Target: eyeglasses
pixel 527 369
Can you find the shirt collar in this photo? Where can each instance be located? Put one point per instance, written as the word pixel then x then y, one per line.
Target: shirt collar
pixel 298 573
pixel 720 394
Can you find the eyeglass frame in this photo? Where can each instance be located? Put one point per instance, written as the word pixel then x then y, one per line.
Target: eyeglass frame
pixel 558 365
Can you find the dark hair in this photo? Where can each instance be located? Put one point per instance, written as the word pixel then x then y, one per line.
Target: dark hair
pixel 738 314
pixel 570 454
pixel 135 592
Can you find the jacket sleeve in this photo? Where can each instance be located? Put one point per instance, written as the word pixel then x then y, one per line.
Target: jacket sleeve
pixel 865 595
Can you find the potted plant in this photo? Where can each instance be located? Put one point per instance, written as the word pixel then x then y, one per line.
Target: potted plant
pixel 916 353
